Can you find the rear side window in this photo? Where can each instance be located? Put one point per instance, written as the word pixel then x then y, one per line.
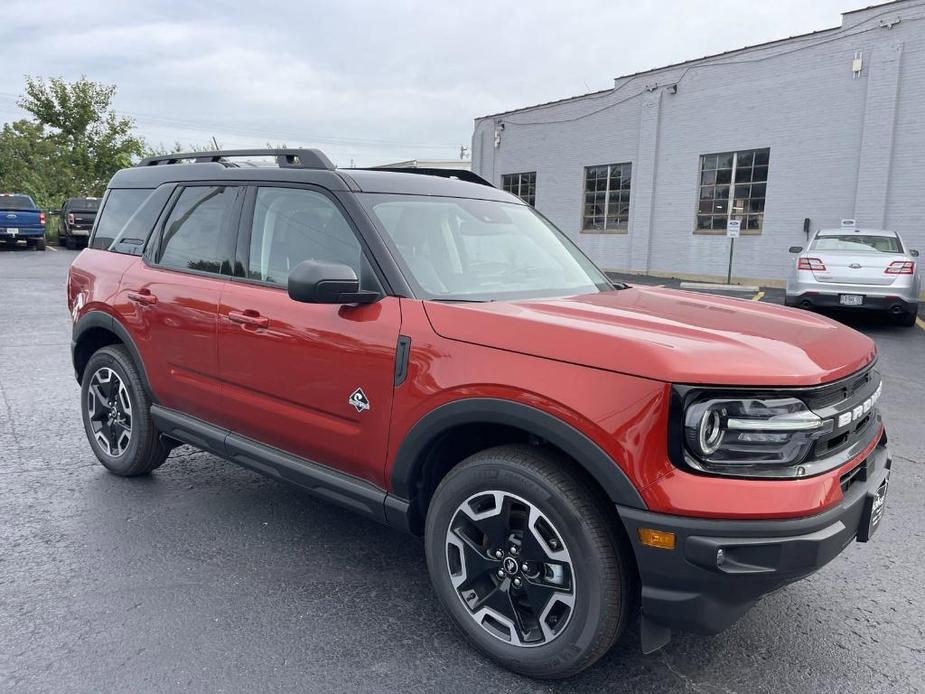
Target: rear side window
pixel 198 234
pixel 121 205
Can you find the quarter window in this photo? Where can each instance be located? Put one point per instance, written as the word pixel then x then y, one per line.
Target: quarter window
pixel 607 198
pixel 523 185
pixel 292 225
pixel 120 205
pixel 198 233
pixel 733 186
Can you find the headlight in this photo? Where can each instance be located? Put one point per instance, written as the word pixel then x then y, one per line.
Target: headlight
pixel 750 436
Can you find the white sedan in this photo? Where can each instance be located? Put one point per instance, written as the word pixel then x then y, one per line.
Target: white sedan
pixel 856 268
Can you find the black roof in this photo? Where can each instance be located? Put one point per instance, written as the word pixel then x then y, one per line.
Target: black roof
pixel 151 174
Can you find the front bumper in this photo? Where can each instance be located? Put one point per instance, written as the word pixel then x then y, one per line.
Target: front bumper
pixel 685 588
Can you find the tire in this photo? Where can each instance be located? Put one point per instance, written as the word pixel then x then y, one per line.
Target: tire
pixel 573 531
pixel 40 244
pixel 907 319
pixel 141 451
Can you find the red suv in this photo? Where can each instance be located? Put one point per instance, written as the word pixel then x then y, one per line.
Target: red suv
pixel 432 353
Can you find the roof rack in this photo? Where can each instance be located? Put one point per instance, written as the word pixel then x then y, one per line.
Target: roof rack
pixel 461 174
pixel 285 158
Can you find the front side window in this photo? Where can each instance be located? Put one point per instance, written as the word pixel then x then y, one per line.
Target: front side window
pixel 294 224
pixel 607 198
pixel 732 187
pixel 198 234
pixel 523 185
pixel 458 249
pixel 859 243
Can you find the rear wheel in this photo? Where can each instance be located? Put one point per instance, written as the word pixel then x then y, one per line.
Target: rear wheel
pixel 116 414
pixel 40 244
pixel 522 555
pixel 907 319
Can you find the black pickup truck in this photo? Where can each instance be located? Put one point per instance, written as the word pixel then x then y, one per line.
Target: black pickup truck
pixel 77 217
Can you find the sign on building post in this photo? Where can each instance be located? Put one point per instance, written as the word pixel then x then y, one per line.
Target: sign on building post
pixel 732 231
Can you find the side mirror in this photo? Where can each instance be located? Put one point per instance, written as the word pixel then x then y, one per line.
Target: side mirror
pixel 796 249
pixel 914 253
pixel 314 282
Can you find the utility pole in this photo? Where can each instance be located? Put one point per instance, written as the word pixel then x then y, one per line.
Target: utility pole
pixel 463 151
pixel 215 144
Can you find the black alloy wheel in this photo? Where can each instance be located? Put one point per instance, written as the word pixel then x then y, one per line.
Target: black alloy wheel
pixel 110 411
pixel 116 412
pixel 511 568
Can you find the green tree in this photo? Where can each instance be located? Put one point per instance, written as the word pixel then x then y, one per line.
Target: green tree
pixel 74 145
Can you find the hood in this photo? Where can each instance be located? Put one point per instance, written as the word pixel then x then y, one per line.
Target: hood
pixel 665 334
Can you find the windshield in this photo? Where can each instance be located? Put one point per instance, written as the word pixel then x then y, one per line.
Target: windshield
pixel 860 243
pixel 459 249
pixel 16 202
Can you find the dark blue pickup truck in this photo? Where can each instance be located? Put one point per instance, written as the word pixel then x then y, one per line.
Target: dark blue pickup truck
pixel 21 220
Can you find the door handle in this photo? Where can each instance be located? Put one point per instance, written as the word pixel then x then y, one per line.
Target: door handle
pixel 143 297
pixel 249 317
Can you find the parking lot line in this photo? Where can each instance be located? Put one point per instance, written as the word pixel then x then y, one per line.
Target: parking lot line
pixel 758 296
pixel 921 323
pixel 51 248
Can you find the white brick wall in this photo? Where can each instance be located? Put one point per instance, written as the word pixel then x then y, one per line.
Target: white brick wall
pixel 840 146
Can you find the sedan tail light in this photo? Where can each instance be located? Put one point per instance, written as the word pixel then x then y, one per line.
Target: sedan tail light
pixel 901 267
pixel 810 264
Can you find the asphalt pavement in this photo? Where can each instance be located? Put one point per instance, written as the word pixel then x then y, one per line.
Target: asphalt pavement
pixel 204 577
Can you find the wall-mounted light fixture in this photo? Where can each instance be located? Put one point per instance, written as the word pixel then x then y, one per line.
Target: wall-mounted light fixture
pixel 499 128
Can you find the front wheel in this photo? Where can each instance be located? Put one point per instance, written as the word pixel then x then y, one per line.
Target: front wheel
pixel 523 555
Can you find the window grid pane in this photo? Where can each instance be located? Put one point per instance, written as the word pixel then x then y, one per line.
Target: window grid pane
pixel 607 197
pixel 523 185
pixel 733 185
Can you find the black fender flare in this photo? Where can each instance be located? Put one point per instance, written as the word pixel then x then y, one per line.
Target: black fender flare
pixel 406 469
pixel 106 321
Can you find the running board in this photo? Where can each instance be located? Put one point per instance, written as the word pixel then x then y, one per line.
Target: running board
pixel 319 480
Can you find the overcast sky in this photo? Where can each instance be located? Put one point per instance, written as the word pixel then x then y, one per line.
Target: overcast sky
pixel 366 81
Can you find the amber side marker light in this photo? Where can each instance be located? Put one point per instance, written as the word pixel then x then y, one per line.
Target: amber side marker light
pixel 662 539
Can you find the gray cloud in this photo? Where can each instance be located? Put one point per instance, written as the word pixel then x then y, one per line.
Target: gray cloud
pixel 364 80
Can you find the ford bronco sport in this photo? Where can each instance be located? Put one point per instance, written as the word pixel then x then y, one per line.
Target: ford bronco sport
pixel 432 353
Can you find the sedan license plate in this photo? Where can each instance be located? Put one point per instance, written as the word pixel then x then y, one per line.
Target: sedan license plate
pixel 851 299
pixel 12 231
pixel 873 511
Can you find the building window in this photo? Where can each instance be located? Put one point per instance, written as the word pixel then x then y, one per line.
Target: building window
pixel 523 185
pixel 732 186
pixel 607 198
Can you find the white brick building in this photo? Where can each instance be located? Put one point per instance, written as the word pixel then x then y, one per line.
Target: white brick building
pixel 825 126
